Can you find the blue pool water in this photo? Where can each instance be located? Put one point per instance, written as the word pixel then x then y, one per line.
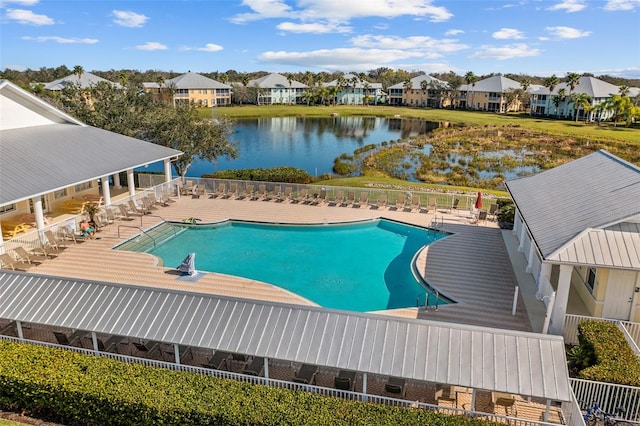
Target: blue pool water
pixel 357 267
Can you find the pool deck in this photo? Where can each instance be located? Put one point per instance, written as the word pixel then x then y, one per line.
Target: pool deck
pixel 472 266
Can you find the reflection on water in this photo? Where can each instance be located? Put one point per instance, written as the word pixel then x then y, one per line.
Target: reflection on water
pixel 310 144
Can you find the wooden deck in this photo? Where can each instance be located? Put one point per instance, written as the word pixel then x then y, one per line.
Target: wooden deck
pixel 471 266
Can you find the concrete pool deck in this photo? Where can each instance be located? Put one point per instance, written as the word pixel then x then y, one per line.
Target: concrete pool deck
pixel 472 266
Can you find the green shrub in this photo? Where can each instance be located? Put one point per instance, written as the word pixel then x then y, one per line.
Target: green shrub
pixel 608 354
pixel 77 389
pixel 275 174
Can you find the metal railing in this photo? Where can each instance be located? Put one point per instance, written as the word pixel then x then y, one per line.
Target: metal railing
pixel 283 384
pixel 141 230
pixel 609 397
pixel 631 329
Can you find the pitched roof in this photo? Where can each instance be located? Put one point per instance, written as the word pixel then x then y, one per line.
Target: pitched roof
pixel 497 84
pixel 192 80
pixel 43 149
pixel 592 192
pixel 417 81
pixel 590 85
pixel 85 81
pixel 276 81
pixel 521 363
pixel 359 85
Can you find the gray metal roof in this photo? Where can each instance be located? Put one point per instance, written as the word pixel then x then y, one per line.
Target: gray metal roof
pixel 496 84
pixel 483 358
pixel 193 80
pixel 276 81
pixel 592 86
pixel 603 247
pixel 42 159
pixel 416 82
pixel 43 149
pixel 359 84
pixel 595 191
pixel 86 80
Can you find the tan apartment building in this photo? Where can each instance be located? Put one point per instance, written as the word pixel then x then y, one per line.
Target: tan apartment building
pixel 422 91
pixel 193 87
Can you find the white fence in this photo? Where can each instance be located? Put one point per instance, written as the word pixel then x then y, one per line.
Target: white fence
pixel 630 329
pixel 609 397
pixel 282 384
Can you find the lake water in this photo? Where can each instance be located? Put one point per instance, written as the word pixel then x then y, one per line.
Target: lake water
pixel 310 144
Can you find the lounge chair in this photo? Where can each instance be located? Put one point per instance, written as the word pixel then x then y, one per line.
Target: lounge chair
pixel 396 386
pixel 319 198
pixel 111 215
pixel 303 196
pixel 400 202
pixel 110 345
pixel 8 262
pixel 75 339
pixel 221 191
pixel 286 195
pixel 415 203
pixel 493 209
pixel 166 198
pixel 306 374
pixel 218 361
pixel 363 200
pixel 198 191
pixel 255 367
pixel 24 256
pixel 149 348
pixel 380 203
pixel 446 397
pixel 275 194
pixel 232 192
pixel 482 217
pixel 187 188
pixel 432 204
pixel 454 206
pixel 247 194
pixel 149 204
pixel 261 194
pixel 124 212
pixel 135 209
pixel 339 198
pixel 53 242
pixel 345 380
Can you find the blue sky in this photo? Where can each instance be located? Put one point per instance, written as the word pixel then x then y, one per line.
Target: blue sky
pixel 536 37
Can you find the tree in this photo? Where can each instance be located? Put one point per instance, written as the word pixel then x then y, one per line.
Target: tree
pixel 550 83
pixel 573 80
pixel 424 85
pixel 290 80
pixel 621 107
pixel 471 80
pixel 78 71
pixel 623 90
pixel 580 101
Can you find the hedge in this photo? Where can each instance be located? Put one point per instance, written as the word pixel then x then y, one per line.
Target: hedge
pixel 610 357
pixel 77 389
pixel 275 174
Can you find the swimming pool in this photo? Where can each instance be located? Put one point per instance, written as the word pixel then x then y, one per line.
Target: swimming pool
pixel 363 266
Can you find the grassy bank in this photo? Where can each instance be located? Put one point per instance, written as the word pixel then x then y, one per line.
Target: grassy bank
pixel 591 131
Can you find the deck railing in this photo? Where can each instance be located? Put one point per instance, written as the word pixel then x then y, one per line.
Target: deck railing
pixel 609 397
pixel 630 329
pixel 283 384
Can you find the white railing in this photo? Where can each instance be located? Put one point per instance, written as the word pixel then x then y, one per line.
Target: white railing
pixel 283 384
pixel 630 329
pixel 609 397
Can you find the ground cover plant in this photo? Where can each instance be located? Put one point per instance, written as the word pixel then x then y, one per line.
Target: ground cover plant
pixel 77 389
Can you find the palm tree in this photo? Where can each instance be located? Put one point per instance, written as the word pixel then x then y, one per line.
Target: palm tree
pixel 471 79
pixel 354 83
pixel 562 95
pixel 424 85
pixel 78 71
pixel 366 93
pixel 580 101
pixel 623 90
pixel 550 83
pixel 573 80
pixel 290 80
pixel 524 85
pixel 408 85
pixel 341 85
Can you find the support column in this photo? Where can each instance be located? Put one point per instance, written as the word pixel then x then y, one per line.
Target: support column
pixel 19 330
pixel 523 235
pixel 176 351
pixel 364 387
pixel 94 341
pixel 116 181
pixel 167 171
pixel 266 367
pixel 544 276
pixel 131 182
pixel 530 257
pixel 562 298
pixel 106 191
pixel 39 214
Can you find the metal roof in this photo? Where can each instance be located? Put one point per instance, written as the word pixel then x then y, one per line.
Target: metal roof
pixel 276 81
pixel 416 82
pixel 49 150
pixel 193 80
pixel 497 84
pixel 359 83
pixel 592 86
pixel 594 191
pixel 483 358
pixel 84 81
pixel 604 248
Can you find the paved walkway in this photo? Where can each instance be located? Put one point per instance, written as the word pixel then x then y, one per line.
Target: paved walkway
pixel 472 266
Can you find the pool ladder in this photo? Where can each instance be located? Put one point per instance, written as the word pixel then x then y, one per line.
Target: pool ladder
pixel 426 300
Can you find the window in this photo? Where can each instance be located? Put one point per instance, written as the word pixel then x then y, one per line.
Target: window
pixel 7 208
pixel 83 186
pixel 60 193
pixel 591 279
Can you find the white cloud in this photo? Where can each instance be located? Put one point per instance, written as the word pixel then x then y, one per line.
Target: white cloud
pixel 417 43
pixel 209 47
pixel 569 5
pixel 508 34
pixel 151 45
pixel 567 32
pixel 16 67
pixel 20 2
pixel 517 50
pixel 454 32
pixel 62 40
pixel 312 10
pixel 23 16
pixel 126 18
pixel 313 28
pixel 615 5
pixel 337 58
pixel 381 26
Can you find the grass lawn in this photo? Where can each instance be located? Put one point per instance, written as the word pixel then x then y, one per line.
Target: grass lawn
pixel 591 131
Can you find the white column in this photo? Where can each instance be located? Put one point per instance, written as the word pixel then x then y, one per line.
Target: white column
pixel 530 258
pixel 544 275
pixel 562 298
pixel 116 181
pixel 364 387
pixel 176 351
pixel 131 183
pixel 167 171
pixel 523 235
pixel 19 329
pixel 39 214
pixel 266 368
pixel 94 341
pixel 106 191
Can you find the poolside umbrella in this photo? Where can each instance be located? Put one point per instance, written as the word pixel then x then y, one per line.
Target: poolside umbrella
pixel 479 201
pixel 188 265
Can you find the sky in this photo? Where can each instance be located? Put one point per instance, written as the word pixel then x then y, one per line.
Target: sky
pixel 534 37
